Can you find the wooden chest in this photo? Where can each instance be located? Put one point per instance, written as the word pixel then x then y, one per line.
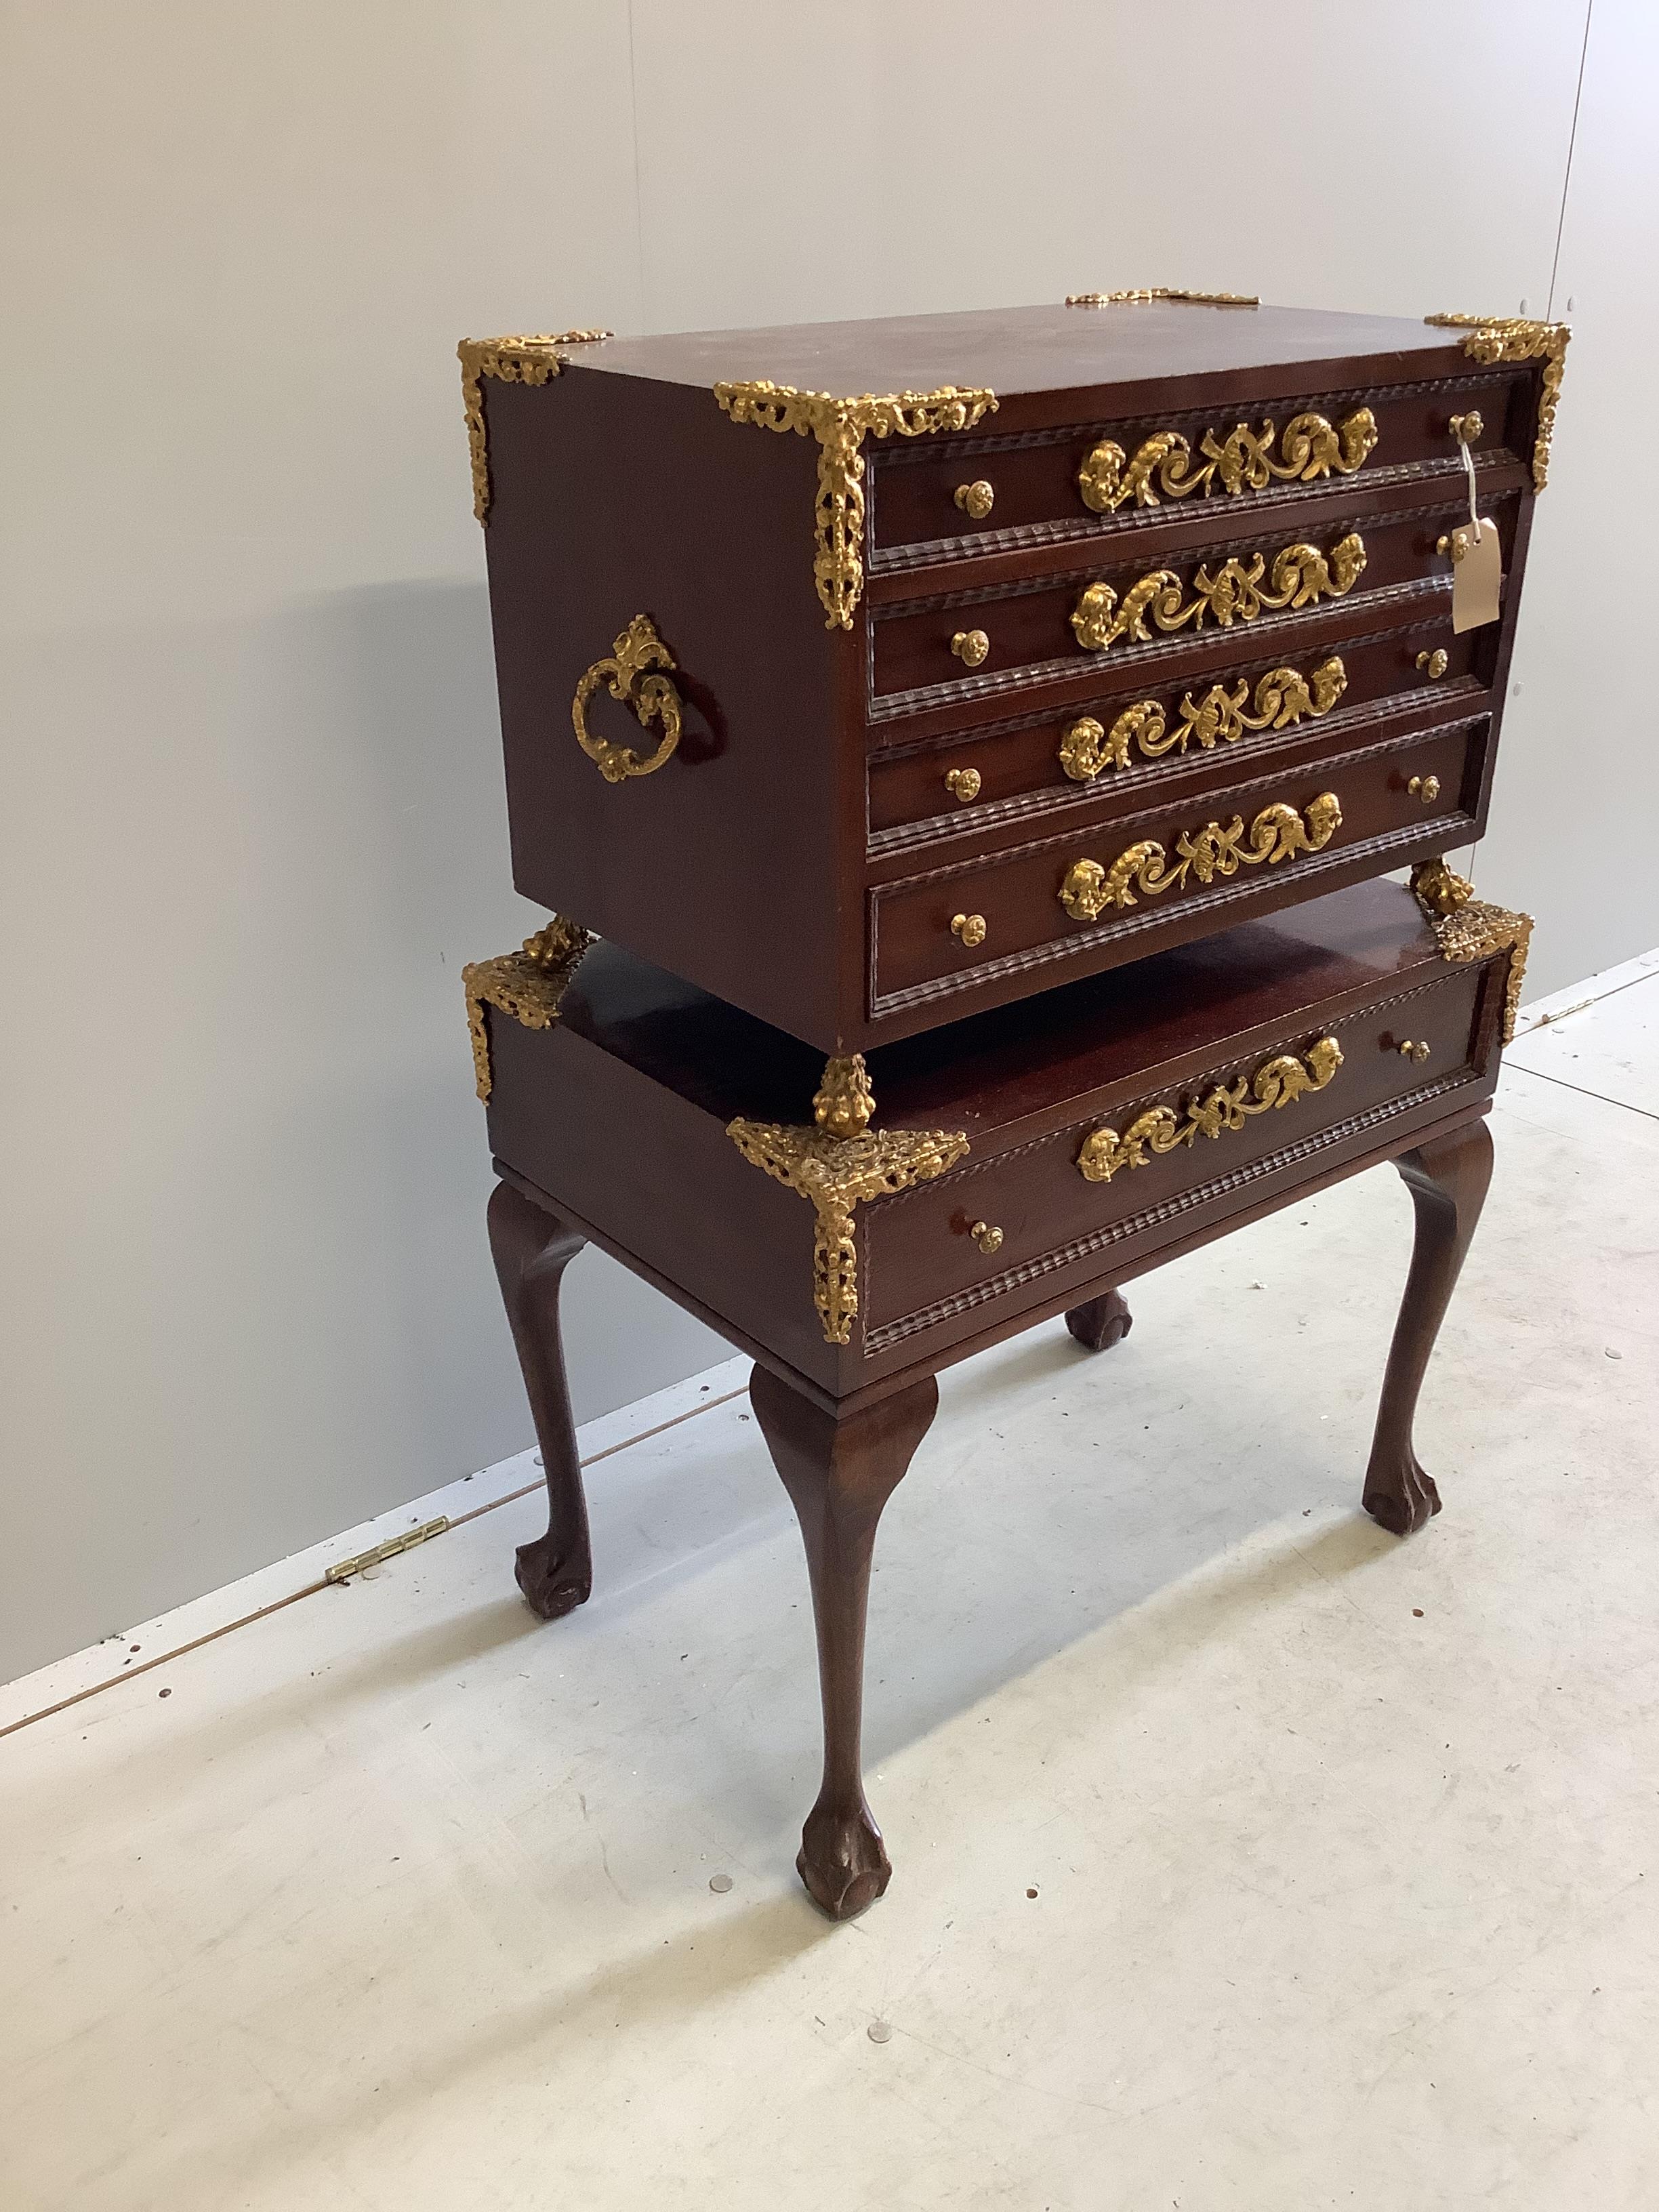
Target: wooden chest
pixel 871 675
pixel 1022 1157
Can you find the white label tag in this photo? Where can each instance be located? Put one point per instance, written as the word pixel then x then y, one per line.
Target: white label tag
pixel 1477 575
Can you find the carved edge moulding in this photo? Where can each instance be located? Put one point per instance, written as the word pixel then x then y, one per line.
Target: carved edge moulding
pixel 533 360
pixel 841 426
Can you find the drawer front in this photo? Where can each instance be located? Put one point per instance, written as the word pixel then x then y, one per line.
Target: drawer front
pixel 1125 741
pixel 1122 887
pixel 989 493
pixel 1132 609
pixel 992 1228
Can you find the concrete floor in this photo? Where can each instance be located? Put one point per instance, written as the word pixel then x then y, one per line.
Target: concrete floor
pixel 1244 1856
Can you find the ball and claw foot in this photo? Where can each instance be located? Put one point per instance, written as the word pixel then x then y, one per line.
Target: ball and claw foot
pixel 1401 1499
pixel 1102 1323
pixel 553 1584
pixel 843 1862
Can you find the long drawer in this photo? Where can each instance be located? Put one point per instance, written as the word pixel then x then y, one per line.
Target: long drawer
pixel 1125 886
pixel 1129 737
pixel 1138 608
pixel 1116 1176
pixel 986 492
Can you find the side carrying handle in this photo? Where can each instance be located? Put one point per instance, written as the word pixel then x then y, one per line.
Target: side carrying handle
pixel 628 671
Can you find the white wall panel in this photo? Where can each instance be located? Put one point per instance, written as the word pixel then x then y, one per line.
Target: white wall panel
pixel 252 800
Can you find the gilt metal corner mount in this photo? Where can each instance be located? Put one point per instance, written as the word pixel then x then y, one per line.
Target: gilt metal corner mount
pixel 835 1173
pixel 840 426
pixel 533 360
pixel 1493 338
pixel 527 984
pixel 1469 929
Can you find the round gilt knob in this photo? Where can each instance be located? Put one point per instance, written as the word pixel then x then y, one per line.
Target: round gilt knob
pixel 1434 664
pixel 962 784
pixel 1413 1048
pixel 1466 429
pixel 970 927
pixel 988 1238
pixel 970 647
pixel 976 499
pixel 1425 787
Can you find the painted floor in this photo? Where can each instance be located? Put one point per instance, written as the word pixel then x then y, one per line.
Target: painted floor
pixel 1244 1857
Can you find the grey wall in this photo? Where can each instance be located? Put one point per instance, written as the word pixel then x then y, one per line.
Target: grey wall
pixel 253 801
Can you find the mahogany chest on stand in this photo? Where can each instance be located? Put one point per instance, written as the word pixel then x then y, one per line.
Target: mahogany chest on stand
pixel 974 743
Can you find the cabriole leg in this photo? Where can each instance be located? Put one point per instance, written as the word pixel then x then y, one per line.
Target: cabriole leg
pixel 531 1248
pixel 1099 1323
pixel 1448 1180
pixel 839 1474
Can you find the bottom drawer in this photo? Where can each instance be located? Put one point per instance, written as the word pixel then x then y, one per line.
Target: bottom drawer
pixel 1121 1174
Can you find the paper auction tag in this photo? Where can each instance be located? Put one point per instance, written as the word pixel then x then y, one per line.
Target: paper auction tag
pixel 1477 575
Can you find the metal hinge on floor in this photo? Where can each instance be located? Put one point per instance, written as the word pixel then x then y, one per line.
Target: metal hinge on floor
pixel 343 1570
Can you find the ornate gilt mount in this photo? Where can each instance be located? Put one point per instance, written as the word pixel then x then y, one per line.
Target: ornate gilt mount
pixel 1242 461
pixel 1276 1082
pixel 1469 929
pixel 841 426
pixel 1512 337
pixel 1439 889
pixel 632 671
pixel 509 360
pixel 1224 713
pixel 1161 292
pixel 1278 833
pixel 1238 591
pixel 528 985
pixel 845 1103
pixel 834 1175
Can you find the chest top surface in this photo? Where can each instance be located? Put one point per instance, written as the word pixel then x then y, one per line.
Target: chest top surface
pixel 1050 348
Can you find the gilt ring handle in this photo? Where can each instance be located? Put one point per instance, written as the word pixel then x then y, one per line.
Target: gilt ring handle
pixel 633 672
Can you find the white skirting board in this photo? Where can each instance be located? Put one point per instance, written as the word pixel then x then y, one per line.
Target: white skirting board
pixel 302 1575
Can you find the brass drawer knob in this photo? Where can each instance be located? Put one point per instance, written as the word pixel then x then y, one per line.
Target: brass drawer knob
pixel 1434 664
pixel 970 647
pixel 1413 1048
pixel 976 499
pixel 988 1238
pixel 1425 787
pixel 962 784
pixel 1466 429
pixel 970 927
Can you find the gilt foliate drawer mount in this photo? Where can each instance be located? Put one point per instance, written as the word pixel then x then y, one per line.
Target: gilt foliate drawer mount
pixel 826 655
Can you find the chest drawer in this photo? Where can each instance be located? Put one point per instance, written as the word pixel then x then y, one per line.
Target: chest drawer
pixel 1132 607
pixel 1087 480
pixel 1113 1179
pixel 1133 882
pixel 1128 738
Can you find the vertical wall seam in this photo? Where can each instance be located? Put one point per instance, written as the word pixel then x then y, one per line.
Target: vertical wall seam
pixel 1566 182
pixel 639 196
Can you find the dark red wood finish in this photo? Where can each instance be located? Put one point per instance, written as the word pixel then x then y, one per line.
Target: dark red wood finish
pixel 612 1126
pixel 754 860
pixel 618 1118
